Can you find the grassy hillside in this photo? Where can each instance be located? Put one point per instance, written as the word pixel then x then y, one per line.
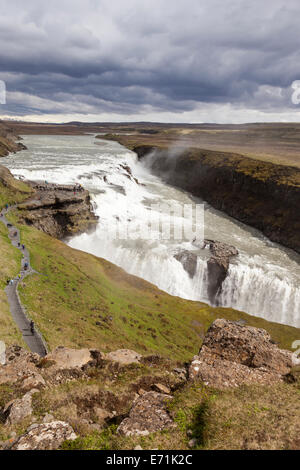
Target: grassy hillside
pixel 12 190
pixel 10 266
pixel 81 300
pixel 10 261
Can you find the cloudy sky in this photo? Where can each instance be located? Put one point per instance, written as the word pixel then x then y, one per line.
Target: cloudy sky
pixel 158 60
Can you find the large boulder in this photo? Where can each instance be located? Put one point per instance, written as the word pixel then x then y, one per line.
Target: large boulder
pixel 17 410
pixel 67 358
pixel 47 436
pixel 33 381
pixel 233 354
pixel 148 414
pixel 19 365
pixel 124 356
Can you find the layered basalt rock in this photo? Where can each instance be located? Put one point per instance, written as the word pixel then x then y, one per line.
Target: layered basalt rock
pixel 261 194
pixel 9 141
pixel 188 261
pixel 217 266
pixel 48 436
pixel 233 354
pixel 58 210
pixel 148 414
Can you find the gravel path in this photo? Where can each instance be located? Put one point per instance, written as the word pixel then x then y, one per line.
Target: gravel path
pixel 33 340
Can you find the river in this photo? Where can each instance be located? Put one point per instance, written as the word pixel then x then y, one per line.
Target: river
pixel 263 279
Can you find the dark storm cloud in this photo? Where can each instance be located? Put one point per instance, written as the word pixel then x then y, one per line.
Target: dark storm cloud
pixel 89 56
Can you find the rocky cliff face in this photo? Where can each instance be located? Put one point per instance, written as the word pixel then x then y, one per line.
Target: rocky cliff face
pixel 217 265
pixel 261 194
pixel 9 141
pixel 58 210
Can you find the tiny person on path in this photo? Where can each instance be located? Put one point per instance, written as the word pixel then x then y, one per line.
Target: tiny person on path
pixel 32 327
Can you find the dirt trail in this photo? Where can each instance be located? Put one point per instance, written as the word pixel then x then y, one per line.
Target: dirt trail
pixel 34 340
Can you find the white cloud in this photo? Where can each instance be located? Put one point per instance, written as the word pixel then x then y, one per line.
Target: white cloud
pixel 163 59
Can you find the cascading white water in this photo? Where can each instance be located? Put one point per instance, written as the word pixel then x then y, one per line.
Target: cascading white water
pixel 263 280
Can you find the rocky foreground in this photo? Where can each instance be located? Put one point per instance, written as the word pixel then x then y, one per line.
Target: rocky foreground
pixel 56 401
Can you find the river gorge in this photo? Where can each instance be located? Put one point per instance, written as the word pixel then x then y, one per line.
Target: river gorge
pixel 263 280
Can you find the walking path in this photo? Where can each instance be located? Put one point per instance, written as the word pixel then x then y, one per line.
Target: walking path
pixel 33 339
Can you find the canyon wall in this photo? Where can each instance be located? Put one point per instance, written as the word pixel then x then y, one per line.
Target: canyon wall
pixel 260 194
pixel 9 141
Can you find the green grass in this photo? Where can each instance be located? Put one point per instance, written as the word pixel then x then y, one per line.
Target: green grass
pixel 249 417
pixel 10 260
pixel 10 266
pixel 80 300
pixel 12 190
pixel 77 293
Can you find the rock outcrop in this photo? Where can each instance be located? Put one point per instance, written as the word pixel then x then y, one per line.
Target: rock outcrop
pixel 9 141
pixel 19 409
pixel 188 261
pixel 217 266
pixel 148 414
pixel 48 436
pixel 33 381
pixel 232 355
pixel 58 210
pixel 68 358
pixel 20 365
pixel 123 356
pixel 130 391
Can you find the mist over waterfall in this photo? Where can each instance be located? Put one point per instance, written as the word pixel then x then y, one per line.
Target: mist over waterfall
pixel 263 280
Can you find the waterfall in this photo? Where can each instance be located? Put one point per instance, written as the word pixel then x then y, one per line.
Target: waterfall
pixel 262 281
pixel 262 293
